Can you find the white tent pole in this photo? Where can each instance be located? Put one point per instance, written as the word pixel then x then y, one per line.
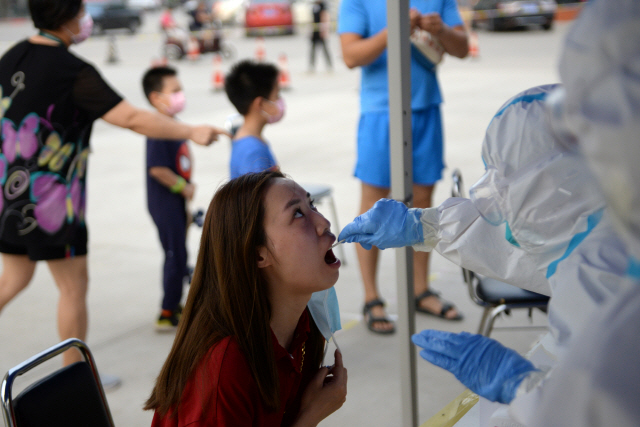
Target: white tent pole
pixel 399 67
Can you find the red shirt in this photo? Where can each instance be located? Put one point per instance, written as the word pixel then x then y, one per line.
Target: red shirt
pixel 223 392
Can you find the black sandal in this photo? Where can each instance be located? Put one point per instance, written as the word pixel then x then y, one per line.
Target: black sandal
pixel 370 319
pixel 446 306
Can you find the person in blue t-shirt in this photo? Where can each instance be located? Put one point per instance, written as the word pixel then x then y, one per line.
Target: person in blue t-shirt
pixel 253 89
pixel 363 35
pixel 168 189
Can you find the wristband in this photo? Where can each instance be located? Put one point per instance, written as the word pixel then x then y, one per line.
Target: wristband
pixel 178 186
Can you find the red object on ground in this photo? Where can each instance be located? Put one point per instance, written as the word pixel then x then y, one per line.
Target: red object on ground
pixel 474 46
pixel 218 78
pixel 193 49
pixel 284 78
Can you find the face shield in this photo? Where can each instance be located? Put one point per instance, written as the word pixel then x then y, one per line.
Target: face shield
pixel 600 109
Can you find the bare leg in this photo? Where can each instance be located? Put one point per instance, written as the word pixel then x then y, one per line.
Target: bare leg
pixel 368 259
pixel 422 199
pixel 17 271
pixel 72 278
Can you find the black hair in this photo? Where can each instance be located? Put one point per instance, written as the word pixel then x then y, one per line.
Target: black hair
pixel 53 14
pixel 153 80
pixel 249 80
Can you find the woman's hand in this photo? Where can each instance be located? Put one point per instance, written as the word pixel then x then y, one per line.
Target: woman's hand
pixel 324 395
pixel 205 135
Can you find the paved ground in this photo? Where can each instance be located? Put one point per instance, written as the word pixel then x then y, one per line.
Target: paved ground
pixel 314 143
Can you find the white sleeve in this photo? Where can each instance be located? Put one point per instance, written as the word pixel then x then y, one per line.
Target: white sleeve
pixel 457 231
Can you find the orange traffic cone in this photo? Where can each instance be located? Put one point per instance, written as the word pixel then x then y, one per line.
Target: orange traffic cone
pixel 474 46
pixel 193 49
pixel 284 79
pixel 260 50
pixel 218 78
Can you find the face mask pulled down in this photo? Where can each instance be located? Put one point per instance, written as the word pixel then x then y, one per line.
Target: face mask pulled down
pixel 325 311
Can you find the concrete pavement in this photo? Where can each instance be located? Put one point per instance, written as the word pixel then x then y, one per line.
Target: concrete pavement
pixel 314 143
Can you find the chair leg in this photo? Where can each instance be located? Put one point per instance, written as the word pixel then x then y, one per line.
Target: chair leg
pixel 485 313
pixel 336 227
pixel 492 318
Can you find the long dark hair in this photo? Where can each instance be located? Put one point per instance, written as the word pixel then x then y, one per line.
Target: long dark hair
pixel 228 297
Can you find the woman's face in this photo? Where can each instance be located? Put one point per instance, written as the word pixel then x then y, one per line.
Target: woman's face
pixel 297 258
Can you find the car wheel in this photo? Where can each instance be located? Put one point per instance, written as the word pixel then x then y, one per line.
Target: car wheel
pixel 474 24
pixel 494 25
pixel 133 26
pixel 173 52
pixel 548 25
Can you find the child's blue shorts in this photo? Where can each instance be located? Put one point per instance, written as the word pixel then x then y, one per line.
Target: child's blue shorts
pixel 373 164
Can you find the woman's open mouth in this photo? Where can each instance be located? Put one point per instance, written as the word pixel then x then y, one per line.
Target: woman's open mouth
pixel 330 258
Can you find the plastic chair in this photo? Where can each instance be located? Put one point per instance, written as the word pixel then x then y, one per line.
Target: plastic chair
pixel 319 192
pixel 71 396
pixel 494 296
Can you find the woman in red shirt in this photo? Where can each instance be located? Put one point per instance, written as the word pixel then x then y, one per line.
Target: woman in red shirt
pixel 247 352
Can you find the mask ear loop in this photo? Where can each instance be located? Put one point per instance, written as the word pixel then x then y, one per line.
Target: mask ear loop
pixel 333 338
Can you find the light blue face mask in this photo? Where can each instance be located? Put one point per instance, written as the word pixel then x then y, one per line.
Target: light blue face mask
pixel 325 311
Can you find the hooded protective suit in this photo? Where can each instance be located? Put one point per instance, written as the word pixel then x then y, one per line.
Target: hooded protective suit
pixel 597 382
pixel 536 219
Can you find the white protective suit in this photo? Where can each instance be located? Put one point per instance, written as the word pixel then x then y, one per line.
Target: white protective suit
pixel 597 381
pixel 535 196
pixel 536 220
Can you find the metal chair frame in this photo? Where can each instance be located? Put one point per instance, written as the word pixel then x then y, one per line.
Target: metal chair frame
pixel 491 310
pixel 13 373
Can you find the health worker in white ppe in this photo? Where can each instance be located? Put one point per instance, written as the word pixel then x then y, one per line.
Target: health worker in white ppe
pixel 536 220
pixel 597 382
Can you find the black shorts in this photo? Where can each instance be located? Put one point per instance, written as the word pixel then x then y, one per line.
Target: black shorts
pixel 46 253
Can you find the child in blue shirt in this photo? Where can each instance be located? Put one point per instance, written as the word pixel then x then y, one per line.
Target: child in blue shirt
pixel 253 89
pixel 168 190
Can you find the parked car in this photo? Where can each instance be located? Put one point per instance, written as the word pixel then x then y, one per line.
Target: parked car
pixel 264 17
pixel 507 14
pixel 110 15
pixel 145 4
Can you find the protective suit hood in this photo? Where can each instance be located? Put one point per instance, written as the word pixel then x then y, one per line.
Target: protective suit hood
pixel 600 106
pixel 533 183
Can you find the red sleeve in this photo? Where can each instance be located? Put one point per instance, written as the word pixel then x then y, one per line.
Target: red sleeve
pixel 237 395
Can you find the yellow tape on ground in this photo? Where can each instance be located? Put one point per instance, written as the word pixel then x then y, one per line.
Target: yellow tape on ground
pixel 451 414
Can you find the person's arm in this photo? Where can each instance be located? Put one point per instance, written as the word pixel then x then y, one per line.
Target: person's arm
pixel 453 39
pixel 175 183
pixel 156 125
pixel 457 231
pixel 358 51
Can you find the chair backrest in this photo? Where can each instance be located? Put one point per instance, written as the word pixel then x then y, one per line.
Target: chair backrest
pixel 71 396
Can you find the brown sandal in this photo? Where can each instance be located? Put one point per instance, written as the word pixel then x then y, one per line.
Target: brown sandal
pixel 370 319
pixel 446 306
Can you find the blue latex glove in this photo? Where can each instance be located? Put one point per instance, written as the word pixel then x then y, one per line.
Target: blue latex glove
pixel 484 365
pixel 388 224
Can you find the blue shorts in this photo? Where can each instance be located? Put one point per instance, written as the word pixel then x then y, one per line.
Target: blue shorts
pixel 373 165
